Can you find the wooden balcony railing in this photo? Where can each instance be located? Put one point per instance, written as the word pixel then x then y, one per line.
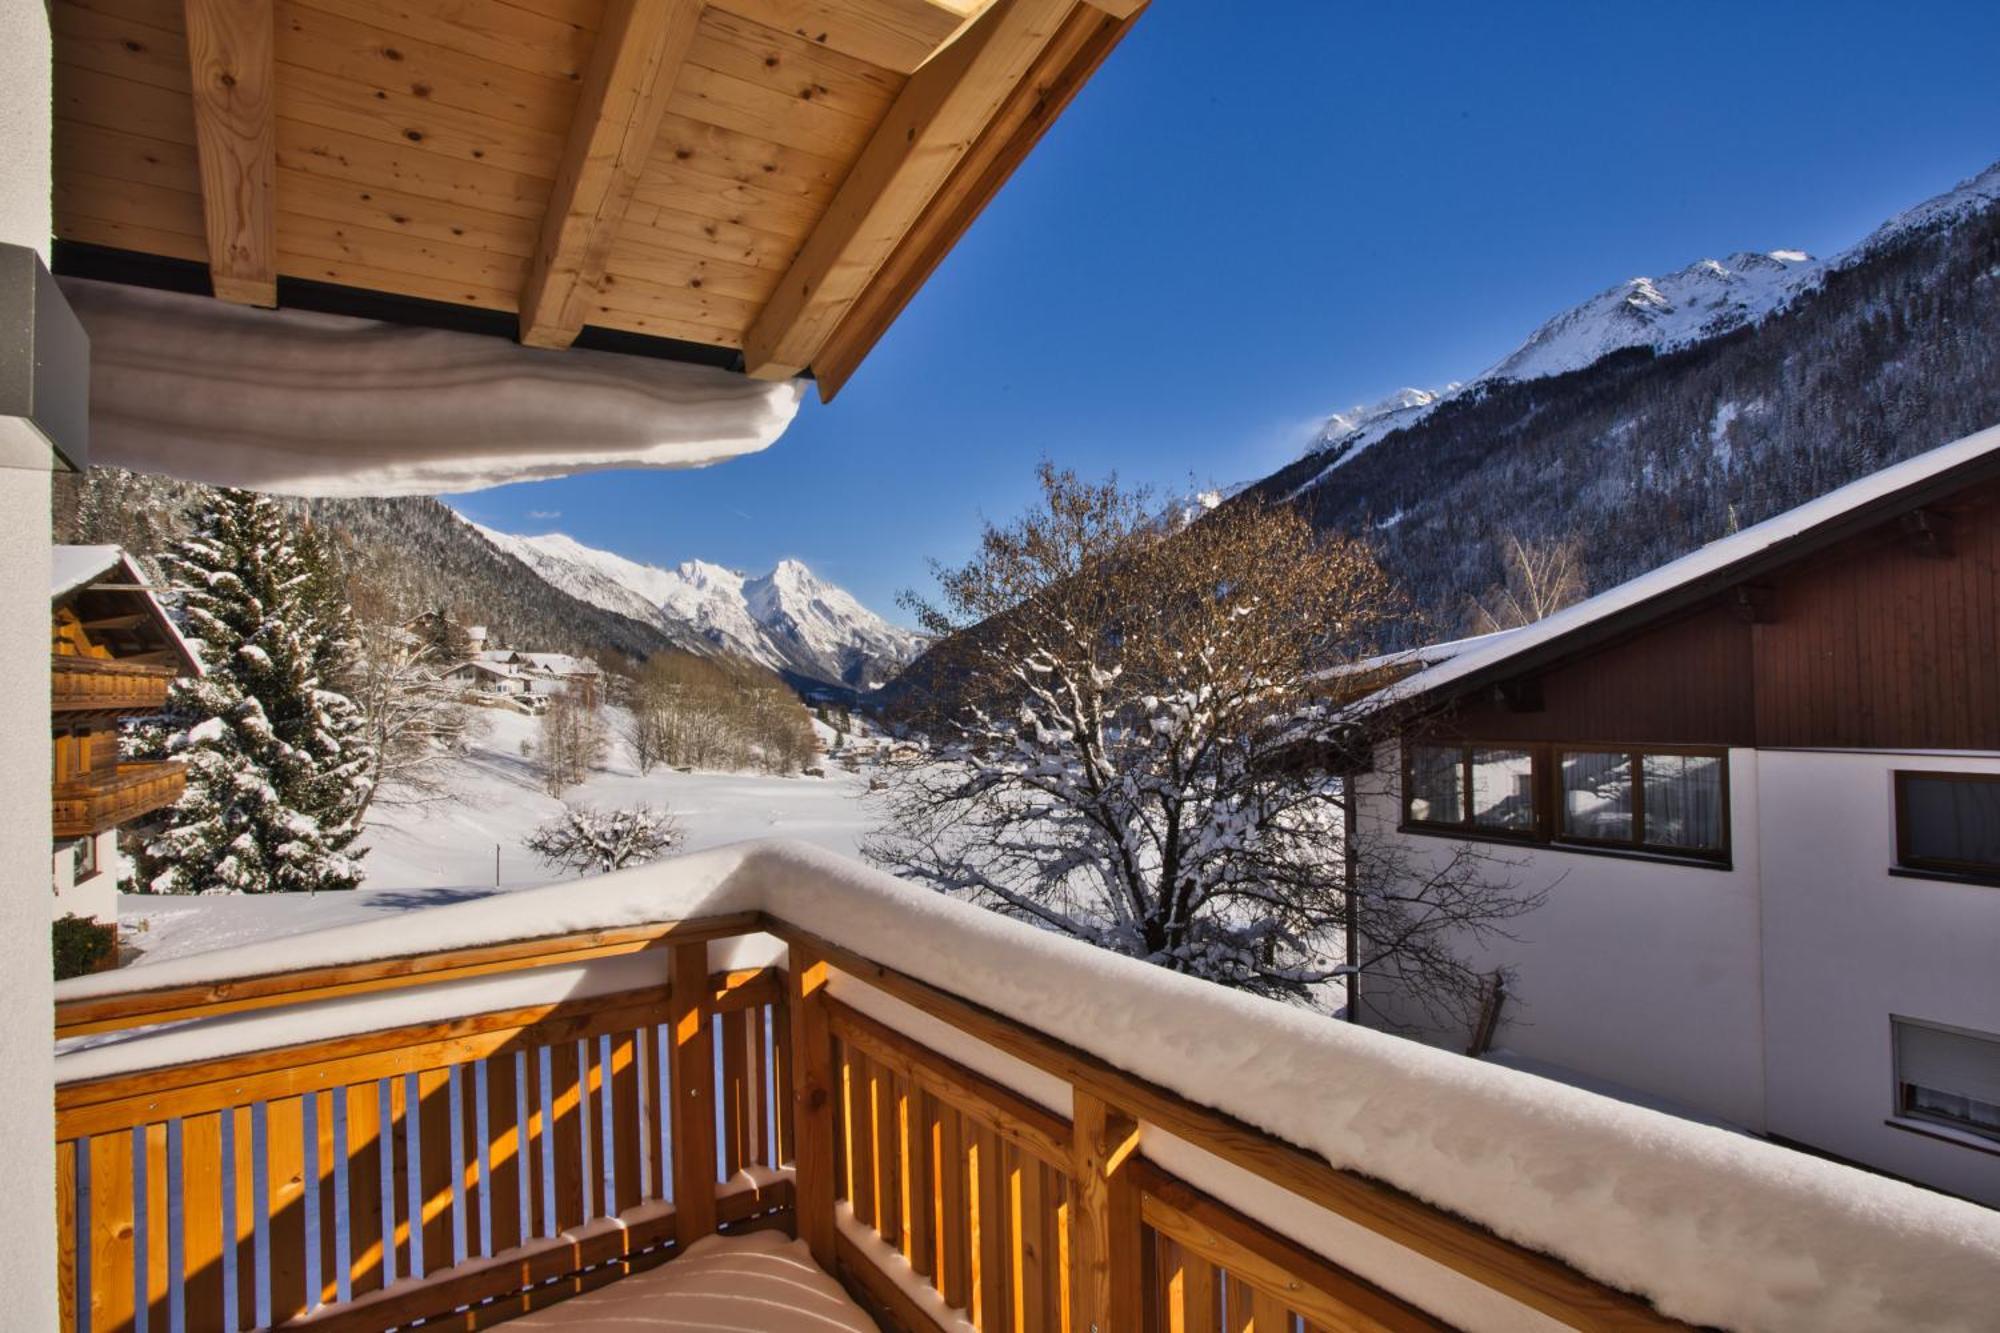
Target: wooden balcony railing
pixel 101 801
pixel 106 685
pixel 469 1133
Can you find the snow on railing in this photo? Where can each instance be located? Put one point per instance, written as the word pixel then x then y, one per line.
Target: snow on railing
pixel 1438 1180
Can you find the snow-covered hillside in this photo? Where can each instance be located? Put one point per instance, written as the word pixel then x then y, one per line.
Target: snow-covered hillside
pixel 789 620
pixel 1705 300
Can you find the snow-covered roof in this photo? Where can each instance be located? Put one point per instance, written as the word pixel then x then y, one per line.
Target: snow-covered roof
pixel 73 568
pixel 1715 1227
pixel 562 664
pixel 1789 536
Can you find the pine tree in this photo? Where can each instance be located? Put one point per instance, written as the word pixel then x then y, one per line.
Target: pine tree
pixel 276 755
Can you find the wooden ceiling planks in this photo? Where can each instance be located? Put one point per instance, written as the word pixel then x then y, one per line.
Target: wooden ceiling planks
pixel 734 173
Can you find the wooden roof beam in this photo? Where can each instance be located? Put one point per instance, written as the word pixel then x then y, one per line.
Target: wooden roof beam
pixel 942 110
pixel 640 49
pixel 1066 64
pixel 232 62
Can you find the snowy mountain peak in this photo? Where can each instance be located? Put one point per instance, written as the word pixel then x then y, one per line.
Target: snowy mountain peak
pixel 1704 300
pixel 1967 197
pixel 789 620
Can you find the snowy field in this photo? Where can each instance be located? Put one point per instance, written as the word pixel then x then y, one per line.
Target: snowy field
pixel 443 850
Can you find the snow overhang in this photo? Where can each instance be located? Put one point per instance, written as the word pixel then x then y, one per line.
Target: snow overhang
pixel 301 403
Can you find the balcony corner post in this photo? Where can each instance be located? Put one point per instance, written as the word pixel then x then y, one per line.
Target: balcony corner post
pixel 1106 1250
pixel 812 1102
pixel 694 1096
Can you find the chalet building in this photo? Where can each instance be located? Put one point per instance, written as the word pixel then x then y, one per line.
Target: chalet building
pixel 113 653
pixel 1761 789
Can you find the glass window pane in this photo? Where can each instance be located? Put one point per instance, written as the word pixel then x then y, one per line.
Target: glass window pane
pixel 1597 795
pixel 1435 794
pixel 1503 789
pixel 1954 819
pixel 1683 801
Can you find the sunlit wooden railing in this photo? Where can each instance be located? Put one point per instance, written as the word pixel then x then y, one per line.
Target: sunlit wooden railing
pixel 86 806
pixel 484 1165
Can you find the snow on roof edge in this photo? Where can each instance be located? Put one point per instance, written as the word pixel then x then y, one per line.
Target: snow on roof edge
pixel 1714 1227
pixel 1478 654
pixel 76 567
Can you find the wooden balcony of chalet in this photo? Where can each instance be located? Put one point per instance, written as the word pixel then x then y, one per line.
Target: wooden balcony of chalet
pixel 97 801
pixel 468 1114
pixel 107 686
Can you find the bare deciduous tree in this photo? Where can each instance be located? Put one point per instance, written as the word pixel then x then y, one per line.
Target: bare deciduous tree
pixel 416 723
pixel 572 742
pixel 1542 577
pixel 704 713
pixel 584 841
pixel 1141 744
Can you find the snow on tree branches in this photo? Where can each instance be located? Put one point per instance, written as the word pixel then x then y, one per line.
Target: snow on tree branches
pixel 582 840
pixel 278 763
pixel 1142 741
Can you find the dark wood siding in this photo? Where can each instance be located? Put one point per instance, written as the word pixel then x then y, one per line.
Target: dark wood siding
pixel 1878 646
pixel 1682 683
pixel 1871 645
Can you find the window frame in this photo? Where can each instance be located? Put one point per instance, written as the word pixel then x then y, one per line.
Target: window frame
pixel 1929 867
pixel 1546 828
pixel 1907 1115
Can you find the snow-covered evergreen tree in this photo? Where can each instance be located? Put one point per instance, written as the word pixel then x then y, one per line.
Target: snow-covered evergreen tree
pixel 277 758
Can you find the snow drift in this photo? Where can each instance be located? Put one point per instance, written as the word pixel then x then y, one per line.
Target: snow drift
pixel 1714 1227
pixel 307 404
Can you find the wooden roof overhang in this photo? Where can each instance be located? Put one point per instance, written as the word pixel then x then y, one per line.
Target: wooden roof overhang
pixel 760 183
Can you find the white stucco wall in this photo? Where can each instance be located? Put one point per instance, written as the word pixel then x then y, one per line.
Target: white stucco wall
pixel 1847 944
pixel 1639 973
pixel 27 1150
pixel 94 895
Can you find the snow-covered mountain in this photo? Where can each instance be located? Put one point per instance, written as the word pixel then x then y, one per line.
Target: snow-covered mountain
pixel 789 619
pixel 1705 300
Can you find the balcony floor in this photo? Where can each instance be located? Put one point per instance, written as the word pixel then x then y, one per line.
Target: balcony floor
pixel 761 1281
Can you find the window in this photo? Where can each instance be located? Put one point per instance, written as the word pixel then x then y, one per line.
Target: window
pixel 1669 802
pixel 1948 1076
pixel 84 859
pixel 1655 801
pixel 1949 822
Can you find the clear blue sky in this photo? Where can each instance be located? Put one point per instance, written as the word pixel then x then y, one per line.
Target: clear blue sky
pixel 1261 212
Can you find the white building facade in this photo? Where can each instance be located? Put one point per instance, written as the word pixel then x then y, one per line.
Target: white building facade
pixel 1760 791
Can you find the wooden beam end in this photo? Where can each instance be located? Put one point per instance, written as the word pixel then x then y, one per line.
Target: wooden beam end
pixel 245 291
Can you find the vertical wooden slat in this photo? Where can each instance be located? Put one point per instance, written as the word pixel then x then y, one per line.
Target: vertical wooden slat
pixel 626 1128
pixel 66 1235
pixel 396 1143
pixel 988 1213
pixel 1199 1310
pixel 331 1164
pixel 1240 1316
pixel 201 1219
pixel 888 1161
pixel 860 1137
pixel 505 1156
pixel 694 1095
pixel 1066 1254
pixel 810 1057
pixel 781 1076
pixel 364 1188
pixel 760 1087
pixel 1155 1265
pixel 954 1272
pixel 1267 1313
pixel 243 1171
pixel 1106 1216
pixel 112 1270
pixel 913 1147
pixel 284 1144
pixel 735 1092
pixel 471 1152
pixel 1024 1230
pixel 1055 1246
pixel 590 1124
pixel 565 1134
pixel 434 1152
pixel 159 1278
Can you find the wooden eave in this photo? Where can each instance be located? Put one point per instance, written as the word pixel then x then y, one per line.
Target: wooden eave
pixel 761 183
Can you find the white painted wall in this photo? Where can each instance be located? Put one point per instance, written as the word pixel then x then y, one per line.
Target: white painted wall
pixel 1846 945
pixel 1639 973
pixel 27 1149
pixel 94 895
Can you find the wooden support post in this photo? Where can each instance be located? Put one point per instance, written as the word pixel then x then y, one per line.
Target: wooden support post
pixel 694 1096
pixel 812 1102
pixel 233 69
pixel 1105 1225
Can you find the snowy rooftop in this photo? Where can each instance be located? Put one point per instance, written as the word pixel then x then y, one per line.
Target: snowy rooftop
pixel 1788 536
pixel 75 566
pixel 1714 1227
